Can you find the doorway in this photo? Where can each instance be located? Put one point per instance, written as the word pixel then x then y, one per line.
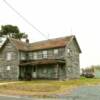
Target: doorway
pixel 34 72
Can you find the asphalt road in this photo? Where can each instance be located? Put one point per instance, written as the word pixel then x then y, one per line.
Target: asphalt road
pixel 84 93
pixel 81 93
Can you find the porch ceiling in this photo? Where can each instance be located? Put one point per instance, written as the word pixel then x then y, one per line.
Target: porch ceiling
pixel 42 62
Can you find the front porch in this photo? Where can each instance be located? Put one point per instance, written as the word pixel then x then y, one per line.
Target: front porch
pixel 42 69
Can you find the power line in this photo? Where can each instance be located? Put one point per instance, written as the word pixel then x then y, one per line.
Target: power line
pixel 26 20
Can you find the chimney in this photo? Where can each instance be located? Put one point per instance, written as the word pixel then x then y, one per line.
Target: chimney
pixel 27 41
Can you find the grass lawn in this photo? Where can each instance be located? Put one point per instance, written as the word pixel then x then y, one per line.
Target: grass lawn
pixel 45 87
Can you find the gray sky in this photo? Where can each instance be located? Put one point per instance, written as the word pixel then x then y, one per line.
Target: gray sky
pixel 57 18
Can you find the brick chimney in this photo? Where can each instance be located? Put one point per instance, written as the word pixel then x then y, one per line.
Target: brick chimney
pixel 27 41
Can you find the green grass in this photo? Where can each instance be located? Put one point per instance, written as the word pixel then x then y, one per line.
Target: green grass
pixel 46 87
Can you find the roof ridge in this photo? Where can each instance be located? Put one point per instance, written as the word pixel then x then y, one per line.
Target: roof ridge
pixel 52 39
pixel 44 44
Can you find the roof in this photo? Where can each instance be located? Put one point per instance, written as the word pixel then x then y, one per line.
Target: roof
pixel 51 43
pixel 42 62
pixel 45 44
pixel 20 45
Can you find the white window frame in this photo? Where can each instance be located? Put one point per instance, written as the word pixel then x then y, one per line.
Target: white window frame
pixel 56 51
pixel 39 55
pixel 68 50
pixel 23 56
pixel 8 68
pixel 45 54
pixel 35 55
pixel 9 56
pixel 30 55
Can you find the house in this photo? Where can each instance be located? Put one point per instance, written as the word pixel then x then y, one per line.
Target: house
pixel 49 59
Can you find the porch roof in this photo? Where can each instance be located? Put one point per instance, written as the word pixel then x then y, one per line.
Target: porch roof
pixel 42 62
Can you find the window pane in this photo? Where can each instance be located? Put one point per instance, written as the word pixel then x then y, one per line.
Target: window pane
pixel 39 55
pixel 50 53
pixel 55 51
pixel 23 56
pixel 35 55
pixel 8 68
pixel 30 56
pixel 68 50
pixel 45 54
pixel 8 55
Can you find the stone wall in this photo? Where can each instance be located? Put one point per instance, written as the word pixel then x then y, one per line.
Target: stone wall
pixel 9 69
pixel 72 61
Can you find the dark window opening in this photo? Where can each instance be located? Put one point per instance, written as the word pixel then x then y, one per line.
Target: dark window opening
pixel 34 69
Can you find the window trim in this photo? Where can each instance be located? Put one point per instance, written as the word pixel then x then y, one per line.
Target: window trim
pixel 8 68
pixel 9 56
pixel 35 57
pixel 22 56
pixel 68 50
pixel 56 51
pixel 30 55
pixel 45 54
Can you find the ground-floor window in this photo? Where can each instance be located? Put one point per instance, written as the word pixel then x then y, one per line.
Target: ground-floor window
pixel 8 68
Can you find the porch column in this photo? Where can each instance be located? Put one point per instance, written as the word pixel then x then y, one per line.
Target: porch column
pixel 57 71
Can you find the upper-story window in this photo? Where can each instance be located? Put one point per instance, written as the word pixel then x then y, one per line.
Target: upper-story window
pixel 56 51
pixel 23 56
pixel 9 56
pixel 39 54
pixel 35 55
pixel 45 54
pixel 30 55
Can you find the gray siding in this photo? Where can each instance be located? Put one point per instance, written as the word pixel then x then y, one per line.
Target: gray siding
pixel 13 72
pixel 72 61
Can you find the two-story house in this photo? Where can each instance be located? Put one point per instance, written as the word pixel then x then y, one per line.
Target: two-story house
pixel 49 59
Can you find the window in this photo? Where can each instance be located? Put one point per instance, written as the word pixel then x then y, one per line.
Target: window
pixel 61 52
pixel 35 55
pixel 44 70
pixel 55 51
pixel 68 50
pixel 39 54
pixel 23 56
pixel 50 53
pixel 45 54
pixel 8 68
pixel 30 55
pixel 9 56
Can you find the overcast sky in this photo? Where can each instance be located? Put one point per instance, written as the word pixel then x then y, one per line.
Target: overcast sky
pixel 56 18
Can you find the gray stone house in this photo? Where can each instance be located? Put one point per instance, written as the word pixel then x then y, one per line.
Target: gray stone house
pixel 49 59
